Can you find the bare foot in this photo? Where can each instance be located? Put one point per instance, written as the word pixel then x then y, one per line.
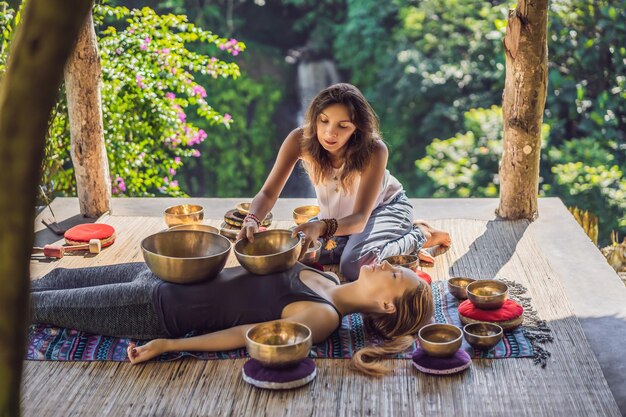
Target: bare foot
pixel 434 237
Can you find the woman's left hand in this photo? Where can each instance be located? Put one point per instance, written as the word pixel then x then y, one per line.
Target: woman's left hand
pixel 312 231
pixel 138 354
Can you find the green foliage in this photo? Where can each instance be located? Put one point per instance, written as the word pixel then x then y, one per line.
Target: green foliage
pixel 8 22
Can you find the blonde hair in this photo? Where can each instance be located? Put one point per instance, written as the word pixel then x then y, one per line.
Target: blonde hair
pixel 360 146
pixel 414 309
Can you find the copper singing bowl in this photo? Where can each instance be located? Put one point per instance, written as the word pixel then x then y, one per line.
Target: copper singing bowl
pixel 183 214
pixel 271 251
pixel 195 226
pixel 440 340
pixel 407 261
pixel 482 336
pixel 304 213
pixel 185 256
pixel 279 344
pixel 458 286
pixel 312 255
pixel 487 294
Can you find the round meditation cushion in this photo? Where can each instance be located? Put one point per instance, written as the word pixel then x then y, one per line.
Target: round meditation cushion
pixel 83 233
pixel 456 363
pixel 423 275
pixel 279 378
pixel 509 316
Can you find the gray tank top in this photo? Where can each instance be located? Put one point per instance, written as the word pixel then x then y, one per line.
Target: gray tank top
pixel 235 297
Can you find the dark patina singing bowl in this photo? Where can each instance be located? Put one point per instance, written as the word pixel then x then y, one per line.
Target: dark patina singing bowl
pixel 183 214
pixel 271 251
pixel 440 340
pixel 407 261
pixel 279 344
pixel 458 286
pixel 185 256
pixel 482 336
pixel 487 294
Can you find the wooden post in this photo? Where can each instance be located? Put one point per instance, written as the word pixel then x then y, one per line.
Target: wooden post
pixel 28 91
pixel 523 100
pixel 83 76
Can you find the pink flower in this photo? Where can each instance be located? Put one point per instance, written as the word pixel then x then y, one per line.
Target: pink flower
pixel 119 187
pixel 174 184
pixel 172 171
pixel 227 117
pixel 142 155
pixel 177 159
pixel 170 96
pixel 195 153
pixel 145 43
pixel 166 180
pixel 235 52
pixel 139 80
pixel 199 91
pixel 165 51
pixel 182 116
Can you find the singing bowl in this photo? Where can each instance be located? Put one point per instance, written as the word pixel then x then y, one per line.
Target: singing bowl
pixel 196 226
pixel 243 208
pixel 407 261
pixel 312 255
pixel 185 256
pixel 271 251
pixel 487 294
pixel 482 336
pixel 303 213
pixel 279 344
pixel 183 214
pixel 458 286
pixel 440 340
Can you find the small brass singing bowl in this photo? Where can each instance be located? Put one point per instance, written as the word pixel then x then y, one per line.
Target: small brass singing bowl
pixel 312 255
pixel 458 286
pixel 487 294
pixel 271 251
pixel 279 344
pixel 482 336
pixel 196 226
pixel 183 214
pixel 243 208
pixel 440 340
pixel 185 256
pixel 407 261
pixel 304 213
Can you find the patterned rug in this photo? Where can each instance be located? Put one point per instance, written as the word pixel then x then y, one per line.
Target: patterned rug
pixel 46 342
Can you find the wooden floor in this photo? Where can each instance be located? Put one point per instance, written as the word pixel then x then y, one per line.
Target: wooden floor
pixel 572 384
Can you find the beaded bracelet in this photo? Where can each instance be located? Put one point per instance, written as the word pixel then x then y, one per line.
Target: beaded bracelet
pixel 252 217
pixel 331 228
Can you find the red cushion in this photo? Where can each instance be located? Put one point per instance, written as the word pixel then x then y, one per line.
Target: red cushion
pixel 85 232
pixel 510 310
pixel 423 275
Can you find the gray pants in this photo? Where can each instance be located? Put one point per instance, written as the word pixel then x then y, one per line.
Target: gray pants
pixel 111 300
pixel 389 232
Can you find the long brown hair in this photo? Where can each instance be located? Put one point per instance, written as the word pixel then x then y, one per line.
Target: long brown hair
pixel 414 309
pixel 361 144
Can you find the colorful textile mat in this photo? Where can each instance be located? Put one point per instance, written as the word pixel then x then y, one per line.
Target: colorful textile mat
pixel 46 342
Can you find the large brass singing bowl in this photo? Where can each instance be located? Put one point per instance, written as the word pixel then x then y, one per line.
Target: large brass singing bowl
pixel 487 294
pixel 185 256
pixel 271 251
pixel 458 286
pixel 302 214
pixel 279 344
pixel 183 214
pixel 440 340
pixel 482 336
pixel 196 226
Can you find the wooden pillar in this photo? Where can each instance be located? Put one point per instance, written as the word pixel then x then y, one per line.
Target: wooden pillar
pixel 83 77
pixel 29 89
pixel 523 104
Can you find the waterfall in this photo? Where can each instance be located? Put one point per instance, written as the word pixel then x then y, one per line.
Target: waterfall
pixel 314 76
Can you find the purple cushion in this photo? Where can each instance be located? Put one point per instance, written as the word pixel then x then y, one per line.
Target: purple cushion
pixel 460 361
pixel 279 378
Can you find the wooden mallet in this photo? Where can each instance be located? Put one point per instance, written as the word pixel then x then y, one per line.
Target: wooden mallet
pixel 54 251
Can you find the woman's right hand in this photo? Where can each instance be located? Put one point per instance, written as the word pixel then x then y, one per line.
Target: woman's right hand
pixel 138 354
pixel 248 230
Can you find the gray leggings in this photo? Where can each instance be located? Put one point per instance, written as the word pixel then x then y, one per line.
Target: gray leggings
pixel 389 232
pixel 111 300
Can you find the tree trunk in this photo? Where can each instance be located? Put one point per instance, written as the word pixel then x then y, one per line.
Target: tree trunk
pixel 83 76
pixel 28 91
pixel 524 100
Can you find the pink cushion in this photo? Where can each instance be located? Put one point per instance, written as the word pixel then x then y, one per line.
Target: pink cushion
pixel 510 310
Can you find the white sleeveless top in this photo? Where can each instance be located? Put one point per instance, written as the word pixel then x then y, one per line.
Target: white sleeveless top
pixel 335 204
